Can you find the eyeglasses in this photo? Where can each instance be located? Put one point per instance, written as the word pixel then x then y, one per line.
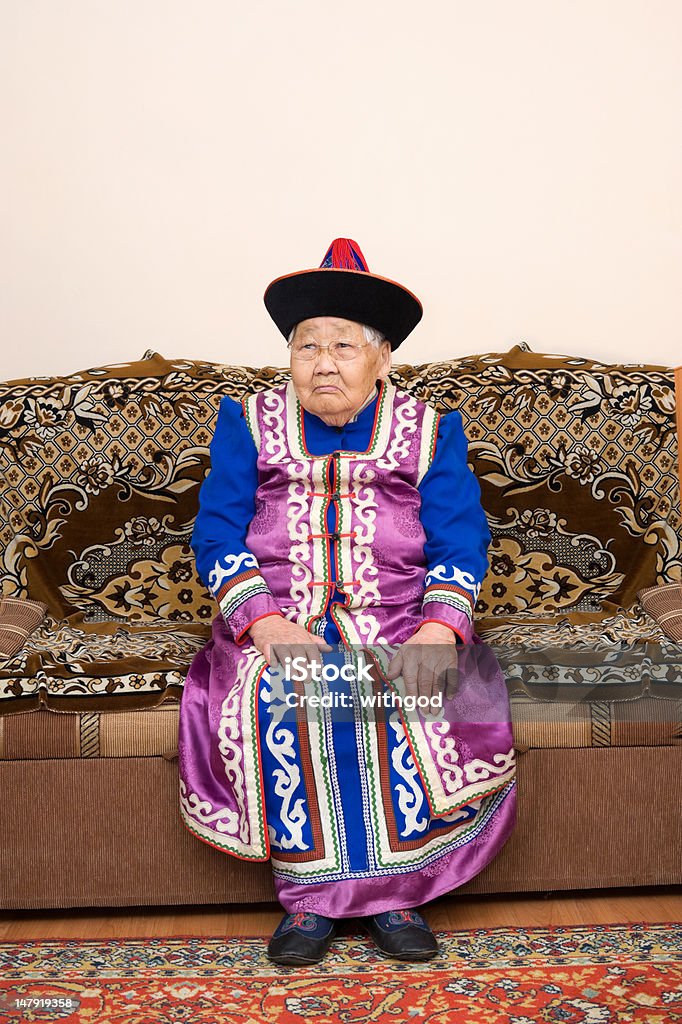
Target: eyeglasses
pixel 339 351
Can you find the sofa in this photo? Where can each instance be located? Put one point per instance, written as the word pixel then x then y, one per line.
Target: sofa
pixel 100 473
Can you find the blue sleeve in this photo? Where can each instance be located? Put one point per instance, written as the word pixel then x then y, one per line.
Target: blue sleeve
pixel 457 532
pixel 226 507
pixel 227 495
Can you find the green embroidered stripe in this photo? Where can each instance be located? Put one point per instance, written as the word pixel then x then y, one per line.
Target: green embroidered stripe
pixel 299 425
pixel 228 605
pixel 434 431
pixel 262 836
pixel 450 598
pixel 246 406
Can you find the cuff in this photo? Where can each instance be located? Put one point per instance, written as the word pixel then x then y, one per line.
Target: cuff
pixel 243 600
pixel 457 621
pixel 240 628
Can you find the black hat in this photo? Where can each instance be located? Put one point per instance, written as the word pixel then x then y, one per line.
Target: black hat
pixel 343 286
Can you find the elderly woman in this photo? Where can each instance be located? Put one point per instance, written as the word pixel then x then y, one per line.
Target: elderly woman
pixel 340 515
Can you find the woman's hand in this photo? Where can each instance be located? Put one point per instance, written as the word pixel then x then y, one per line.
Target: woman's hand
pixel 278 639
pixel 427 662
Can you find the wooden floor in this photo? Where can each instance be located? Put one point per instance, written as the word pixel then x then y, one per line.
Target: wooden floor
pixel 595 906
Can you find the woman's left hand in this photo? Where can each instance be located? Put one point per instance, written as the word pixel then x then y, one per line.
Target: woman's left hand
pixel 427 661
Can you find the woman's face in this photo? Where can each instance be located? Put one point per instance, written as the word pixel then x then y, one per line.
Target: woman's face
pixel 335 390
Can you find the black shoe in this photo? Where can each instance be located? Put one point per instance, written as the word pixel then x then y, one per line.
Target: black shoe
pixel 301 939
pixel 403 934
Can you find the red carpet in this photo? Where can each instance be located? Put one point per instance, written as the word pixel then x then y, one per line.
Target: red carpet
pixel 595 974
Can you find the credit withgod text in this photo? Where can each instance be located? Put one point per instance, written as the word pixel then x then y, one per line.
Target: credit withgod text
pixel 303 669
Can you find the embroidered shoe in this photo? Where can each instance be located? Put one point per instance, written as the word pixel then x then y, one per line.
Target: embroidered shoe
pixel 301 939
pixel 403 934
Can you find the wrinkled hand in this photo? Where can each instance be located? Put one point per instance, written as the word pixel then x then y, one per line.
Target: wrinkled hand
pixel 427 662
pixel 278 639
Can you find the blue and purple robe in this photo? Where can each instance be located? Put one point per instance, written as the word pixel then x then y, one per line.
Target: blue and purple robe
pixel 359 534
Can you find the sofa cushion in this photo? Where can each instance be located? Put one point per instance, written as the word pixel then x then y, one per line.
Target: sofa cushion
pixel 617 657
pixel 67 668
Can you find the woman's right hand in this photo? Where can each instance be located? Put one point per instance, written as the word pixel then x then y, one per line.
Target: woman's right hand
pixel 278 639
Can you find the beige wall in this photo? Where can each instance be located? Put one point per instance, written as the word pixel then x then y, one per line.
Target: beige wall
pixel 516 163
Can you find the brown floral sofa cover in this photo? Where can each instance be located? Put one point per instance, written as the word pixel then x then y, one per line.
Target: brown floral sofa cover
pixel 577 461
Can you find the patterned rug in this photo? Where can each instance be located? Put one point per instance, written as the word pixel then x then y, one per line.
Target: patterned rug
pixel 594 974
